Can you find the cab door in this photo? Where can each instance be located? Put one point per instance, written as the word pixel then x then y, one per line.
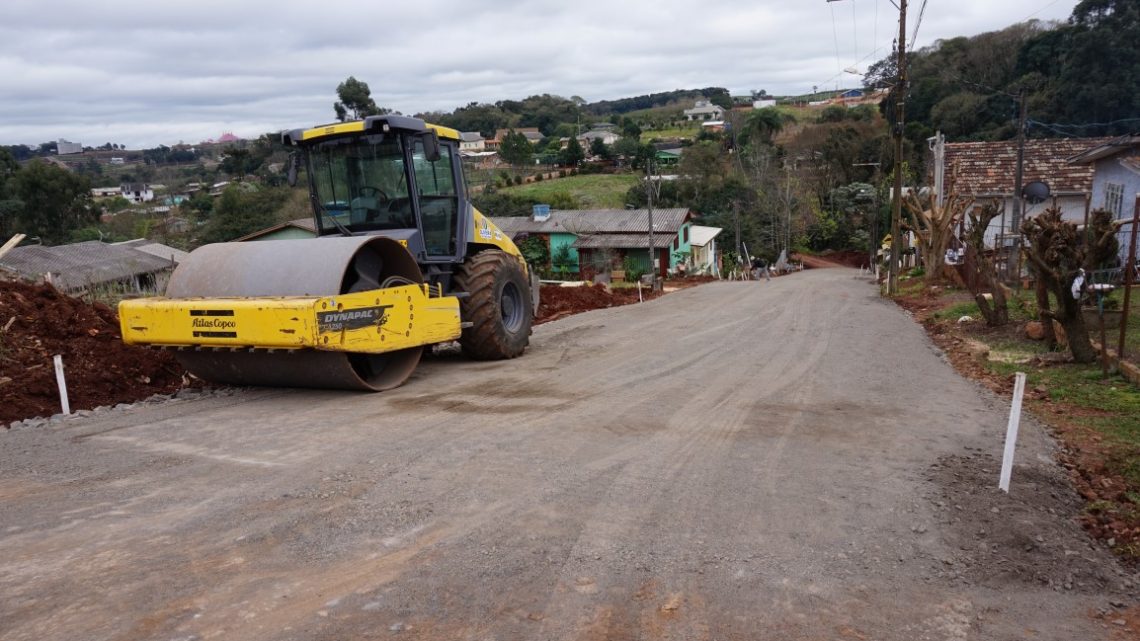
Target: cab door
pixel 437 188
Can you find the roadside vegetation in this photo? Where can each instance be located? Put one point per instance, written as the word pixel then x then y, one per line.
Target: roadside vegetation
pixel 1096 417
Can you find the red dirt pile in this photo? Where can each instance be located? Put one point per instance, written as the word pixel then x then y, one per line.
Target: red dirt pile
pixel 560 301
pixel 37 322
pixel 845 258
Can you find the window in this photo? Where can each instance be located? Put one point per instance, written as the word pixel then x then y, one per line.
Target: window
pixel 676 243
pixel 1114 199
pixel 360 184
pixel 685 231
pixel 439 202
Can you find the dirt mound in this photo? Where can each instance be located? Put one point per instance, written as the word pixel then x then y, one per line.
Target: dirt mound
pixel 999 539
pixel 560 301
pixel 37 322
pixel 846 258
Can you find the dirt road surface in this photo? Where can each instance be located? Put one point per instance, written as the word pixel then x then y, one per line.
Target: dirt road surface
pixel 762 460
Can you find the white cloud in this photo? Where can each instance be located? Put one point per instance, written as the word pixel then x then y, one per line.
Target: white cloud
pixel 147 73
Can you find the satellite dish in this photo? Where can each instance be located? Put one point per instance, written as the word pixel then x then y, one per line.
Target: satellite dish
pixel 1035 192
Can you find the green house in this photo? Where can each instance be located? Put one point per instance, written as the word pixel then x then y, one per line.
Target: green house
pixel 600 240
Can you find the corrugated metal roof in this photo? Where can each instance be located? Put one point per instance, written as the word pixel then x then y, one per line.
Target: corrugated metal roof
pixel 597 221
pixel 988 168
pixel 701 236
pixel 623 241
pixel 79 265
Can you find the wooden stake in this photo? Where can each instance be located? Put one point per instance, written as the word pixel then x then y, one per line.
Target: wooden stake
pixel 1011 432
pixel 59 379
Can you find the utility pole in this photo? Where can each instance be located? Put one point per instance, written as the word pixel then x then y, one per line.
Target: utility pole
pixel 1018 205
pixel 896 204
pixel 649 201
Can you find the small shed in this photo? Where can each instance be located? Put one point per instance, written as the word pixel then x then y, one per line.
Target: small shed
pixel 289 230
pixel 144 268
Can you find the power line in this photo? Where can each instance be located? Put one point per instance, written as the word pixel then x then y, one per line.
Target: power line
pixel 1039 10
pixel 835 34
pixel 917 24
pixel 1059 128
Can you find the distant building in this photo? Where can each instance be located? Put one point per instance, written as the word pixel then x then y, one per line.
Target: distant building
pixel 471 141
pixel 532 134
pixel 290 230
pixel 137 192
pixel 597 240
pixel 704 110
pixel 64 148
pixel 105 192
pixel 763 103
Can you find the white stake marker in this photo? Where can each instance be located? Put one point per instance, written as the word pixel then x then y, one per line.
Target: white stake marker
pixel 1011 431
pixel 62 384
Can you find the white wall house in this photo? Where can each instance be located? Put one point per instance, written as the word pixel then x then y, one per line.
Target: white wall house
pixel 137 192
pixel 704 110
pixel 471 141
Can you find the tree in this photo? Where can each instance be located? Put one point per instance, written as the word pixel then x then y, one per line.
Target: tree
pixel 1057 257
pixel 355 101
pixel 934 225
pixel 238 162
pixel 55 201
pixel 573 154
pixel 516 149
pixel 599 149
pixel 980 275
pixel 10 206
pixel 762 124
pixel 239 212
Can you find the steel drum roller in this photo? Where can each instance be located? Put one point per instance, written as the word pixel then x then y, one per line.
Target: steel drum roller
pixel 297 268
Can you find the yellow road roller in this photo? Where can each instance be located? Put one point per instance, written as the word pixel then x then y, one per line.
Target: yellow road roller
pixel 402 261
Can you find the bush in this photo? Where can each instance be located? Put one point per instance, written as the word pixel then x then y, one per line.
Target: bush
pixel 538 178
pixel 518 180
pixel 561 173
pixel 574 172
pixel 633 270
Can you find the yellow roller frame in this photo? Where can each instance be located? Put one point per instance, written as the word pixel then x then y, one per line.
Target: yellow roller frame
pixel 376 321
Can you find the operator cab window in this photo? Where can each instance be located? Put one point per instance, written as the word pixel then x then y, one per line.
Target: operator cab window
pixel 361 184
pixel 439 201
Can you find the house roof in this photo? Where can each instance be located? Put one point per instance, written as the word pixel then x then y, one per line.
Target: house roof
pixel 598 221
pixel 623 241
pixel 700 235
pixel 988 168
pixel 156 249
pixel 1107 149
pixel 470 136
pixel 81 264
pixel 305 224
pixel 531 133
pixel 590 135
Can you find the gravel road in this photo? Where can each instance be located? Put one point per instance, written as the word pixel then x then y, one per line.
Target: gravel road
pixel 785 460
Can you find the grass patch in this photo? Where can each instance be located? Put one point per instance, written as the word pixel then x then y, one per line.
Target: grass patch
pixel 958 310
pixel 595 191
pixel 671 132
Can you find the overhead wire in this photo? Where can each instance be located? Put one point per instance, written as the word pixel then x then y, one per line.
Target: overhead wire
pixel 835 34
pixel 917 24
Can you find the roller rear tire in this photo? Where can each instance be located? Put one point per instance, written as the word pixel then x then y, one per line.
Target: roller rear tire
pixel 498 305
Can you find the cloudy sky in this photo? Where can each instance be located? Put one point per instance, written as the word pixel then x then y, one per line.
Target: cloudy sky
pixel 148 73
